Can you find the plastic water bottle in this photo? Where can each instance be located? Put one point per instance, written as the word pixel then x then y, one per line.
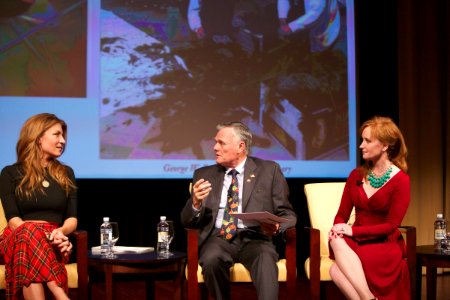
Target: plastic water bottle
pixel 162 245
pixel 440 231
pixel 105 237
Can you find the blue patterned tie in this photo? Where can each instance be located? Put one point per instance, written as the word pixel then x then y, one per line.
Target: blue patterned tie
pixel 229 223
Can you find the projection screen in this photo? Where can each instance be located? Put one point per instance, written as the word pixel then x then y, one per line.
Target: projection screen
pixel 143 84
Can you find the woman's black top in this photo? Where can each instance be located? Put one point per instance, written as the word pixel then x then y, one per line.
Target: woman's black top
pixel 52 206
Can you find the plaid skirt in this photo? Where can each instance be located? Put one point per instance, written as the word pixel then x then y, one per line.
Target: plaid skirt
pixel 30 258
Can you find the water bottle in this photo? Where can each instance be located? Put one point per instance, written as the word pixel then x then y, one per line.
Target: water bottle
pixel 105 237
pixel 162 246
pixel 440 231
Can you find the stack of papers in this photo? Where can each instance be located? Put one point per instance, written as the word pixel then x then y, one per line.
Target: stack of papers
pixel 260 217
pixel 124 250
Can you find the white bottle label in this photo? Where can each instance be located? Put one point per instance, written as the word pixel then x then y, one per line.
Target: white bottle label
pixel 439 234
pixel 163 236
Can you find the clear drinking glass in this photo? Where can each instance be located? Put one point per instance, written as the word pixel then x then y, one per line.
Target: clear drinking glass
pixel 446 244
pixel 171 234
pixel 114 239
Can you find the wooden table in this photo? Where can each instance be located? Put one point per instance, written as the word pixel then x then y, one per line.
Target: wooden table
pixel 431 259
pixel 148 265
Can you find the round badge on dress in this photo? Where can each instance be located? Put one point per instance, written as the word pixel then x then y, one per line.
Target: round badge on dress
pixel 45 183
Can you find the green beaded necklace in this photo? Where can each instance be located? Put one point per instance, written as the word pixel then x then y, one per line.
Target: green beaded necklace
pixel 377 182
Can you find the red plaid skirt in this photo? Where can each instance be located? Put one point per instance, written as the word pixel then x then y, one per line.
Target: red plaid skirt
pixel 30 258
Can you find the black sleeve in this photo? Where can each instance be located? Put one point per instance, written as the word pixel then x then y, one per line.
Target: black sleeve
pixel 9 179
pixel 72 201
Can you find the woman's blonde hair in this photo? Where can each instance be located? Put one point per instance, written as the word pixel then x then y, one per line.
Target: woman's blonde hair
pixel 385 130
pixel 29 156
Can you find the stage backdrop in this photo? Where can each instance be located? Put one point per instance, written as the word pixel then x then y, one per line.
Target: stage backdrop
pixel 142 84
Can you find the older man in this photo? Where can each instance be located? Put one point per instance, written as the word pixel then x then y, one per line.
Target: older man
pixel 237 183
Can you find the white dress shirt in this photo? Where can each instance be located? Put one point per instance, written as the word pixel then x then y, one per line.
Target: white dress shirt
pixel 224 196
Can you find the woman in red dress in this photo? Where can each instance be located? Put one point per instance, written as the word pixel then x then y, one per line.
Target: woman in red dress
pixel 369 254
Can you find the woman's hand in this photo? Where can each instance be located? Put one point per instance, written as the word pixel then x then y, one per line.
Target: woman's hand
pixel 58 239
pixel 339 230
pixel 15 222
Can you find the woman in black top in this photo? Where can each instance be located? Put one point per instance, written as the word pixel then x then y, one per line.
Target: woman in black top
pixel 38 194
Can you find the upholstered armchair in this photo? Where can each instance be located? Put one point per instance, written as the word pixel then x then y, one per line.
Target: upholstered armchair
pixel 77 271
pixel 287 270
pixel 323 201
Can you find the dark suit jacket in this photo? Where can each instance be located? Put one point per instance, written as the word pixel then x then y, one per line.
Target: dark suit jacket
pixel 264 189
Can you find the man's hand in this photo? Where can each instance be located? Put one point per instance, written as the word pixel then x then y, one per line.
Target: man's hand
pixel 200 33
pixel 200 191
pixel 270 229
pixel 284 29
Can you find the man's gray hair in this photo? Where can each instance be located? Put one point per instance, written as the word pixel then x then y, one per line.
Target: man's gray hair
pixel 241 131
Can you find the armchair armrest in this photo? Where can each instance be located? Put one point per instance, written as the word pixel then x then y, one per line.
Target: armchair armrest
pixel 80 244
pixel 291 261
pixel 410 232
pixel 192 263
pixel 314 261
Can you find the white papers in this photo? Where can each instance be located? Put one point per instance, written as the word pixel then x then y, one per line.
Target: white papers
pixel 125 250
pixel 260 217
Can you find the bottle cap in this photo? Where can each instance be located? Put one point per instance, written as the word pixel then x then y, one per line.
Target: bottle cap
pixel 105 219
pixel 440 216
pixel 162 218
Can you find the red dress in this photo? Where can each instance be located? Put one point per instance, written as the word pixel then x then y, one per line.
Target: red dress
pixel 376 238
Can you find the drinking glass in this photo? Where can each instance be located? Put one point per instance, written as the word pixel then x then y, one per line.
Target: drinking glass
pixel 446 244
pixel 114 239
pixel 171 234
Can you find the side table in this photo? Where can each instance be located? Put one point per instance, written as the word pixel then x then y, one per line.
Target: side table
pixel 431 259
pixel 148 265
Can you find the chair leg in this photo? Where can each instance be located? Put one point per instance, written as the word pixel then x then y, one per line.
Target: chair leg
pixel 315 290
pixel 184 295
pixel 323 288
pixel 204 294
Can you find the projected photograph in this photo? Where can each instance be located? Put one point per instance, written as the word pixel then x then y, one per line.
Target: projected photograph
pixel 171 70
pixel 43 48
